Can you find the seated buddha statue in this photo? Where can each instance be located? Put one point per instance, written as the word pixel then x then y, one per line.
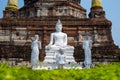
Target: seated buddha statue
pixel 58 39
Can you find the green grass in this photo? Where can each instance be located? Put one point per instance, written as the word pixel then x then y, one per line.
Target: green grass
pixel 101 72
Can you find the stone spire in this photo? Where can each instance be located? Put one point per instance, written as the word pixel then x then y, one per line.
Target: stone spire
pixel 97 9
pixel 96 3
pixel 12 5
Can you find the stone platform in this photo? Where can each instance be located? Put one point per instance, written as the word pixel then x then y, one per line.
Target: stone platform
pixel 50 56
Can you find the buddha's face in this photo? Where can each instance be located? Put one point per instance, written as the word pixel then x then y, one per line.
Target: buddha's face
pixel 59 28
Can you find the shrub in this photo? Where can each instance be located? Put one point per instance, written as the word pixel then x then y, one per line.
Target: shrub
pixel 101 72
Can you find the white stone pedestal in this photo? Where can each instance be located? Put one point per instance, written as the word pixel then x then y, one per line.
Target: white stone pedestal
pixel 50 56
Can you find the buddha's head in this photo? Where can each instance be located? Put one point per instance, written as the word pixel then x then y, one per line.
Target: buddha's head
pixel 36 37
pixel 59 26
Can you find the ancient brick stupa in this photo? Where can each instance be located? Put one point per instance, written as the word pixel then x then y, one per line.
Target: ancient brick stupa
pixel 18 26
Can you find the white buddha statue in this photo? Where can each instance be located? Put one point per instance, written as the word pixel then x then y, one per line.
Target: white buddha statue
pixel 87 46
pixel 35 46
pixel 58 39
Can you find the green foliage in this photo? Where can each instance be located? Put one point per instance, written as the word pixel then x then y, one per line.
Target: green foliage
pixel 100 72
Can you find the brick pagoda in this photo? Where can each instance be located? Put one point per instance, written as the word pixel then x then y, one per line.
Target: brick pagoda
pixel 18 27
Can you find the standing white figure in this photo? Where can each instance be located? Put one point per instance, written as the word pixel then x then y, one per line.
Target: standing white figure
pixel 87 46
pixel 60 59
pixel 36 45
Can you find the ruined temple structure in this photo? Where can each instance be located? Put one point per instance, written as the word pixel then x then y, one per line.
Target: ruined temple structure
pixel 18 27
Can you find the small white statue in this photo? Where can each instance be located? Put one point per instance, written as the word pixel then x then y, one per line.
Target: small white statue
pixel 36 45
pixel 87 46
pixel 60 59
pixel 58 39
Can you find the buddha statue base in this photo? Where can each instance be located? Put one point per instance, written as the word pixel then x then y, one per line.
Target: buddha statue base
pixel 50 55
